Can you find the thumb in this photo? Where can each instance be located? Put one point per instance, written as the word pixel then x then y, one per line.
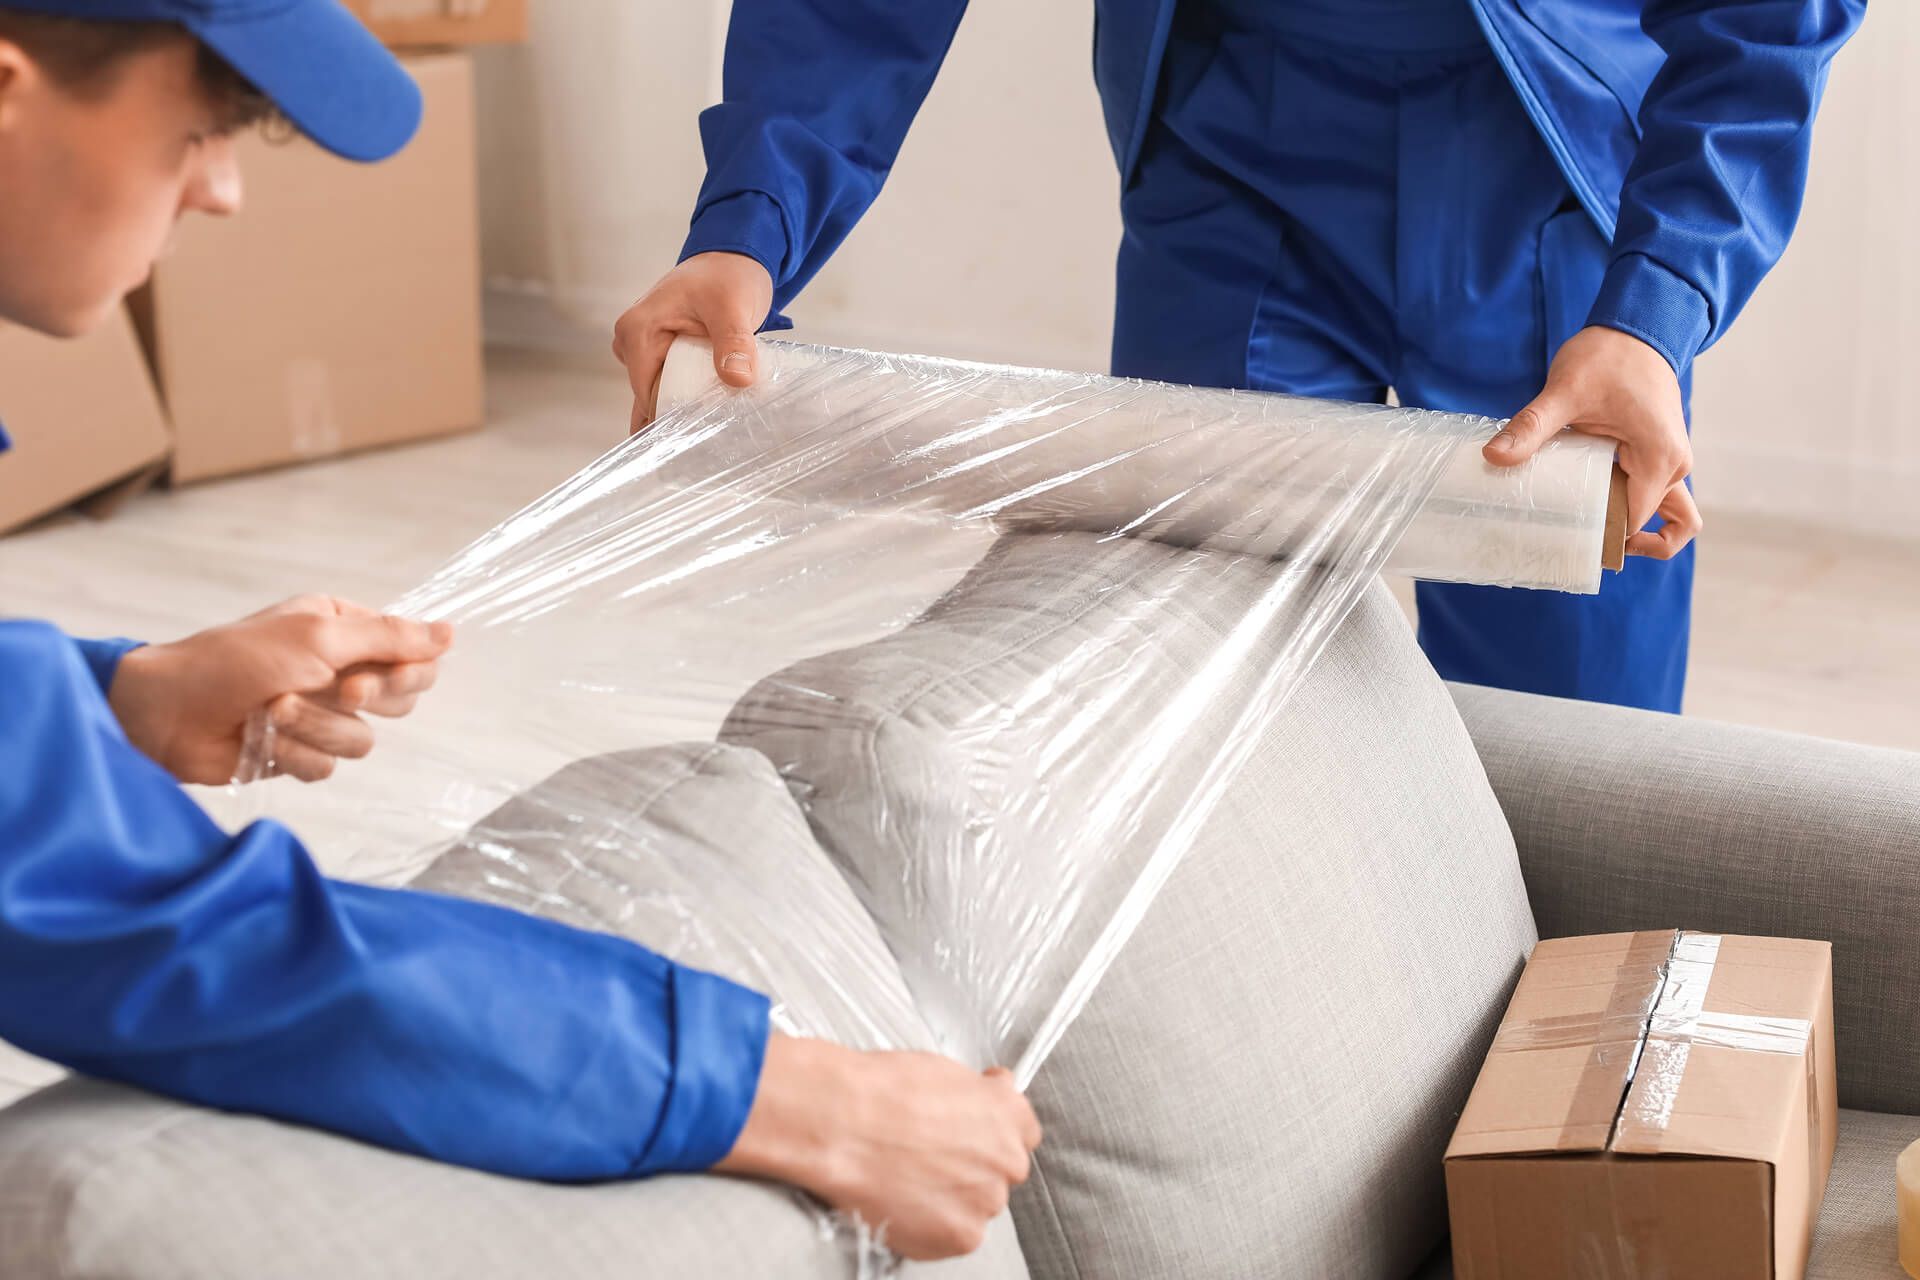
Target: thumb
pixel 736 358
pixel 382 638
pixel 1540 421
pixel 736 355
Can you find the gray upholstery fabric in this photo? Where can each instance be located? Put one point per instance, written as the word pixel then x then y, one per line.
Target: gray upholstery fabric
pixel 98 1182
pixel 1859 1219
pixel 697 850
pixel 1631 820
pixel 1265 1081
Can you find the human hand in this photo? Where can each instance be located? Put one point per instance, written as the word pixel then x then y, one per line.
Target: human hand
pixel 1607 383
pixel 313 664
pixel 919 1147
pixel 721 297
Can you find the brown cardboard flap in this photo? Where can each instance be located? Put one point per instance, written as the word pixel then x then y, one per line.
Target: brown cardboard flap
pixel 1560 1065
pixel 1724 1069
pixel 1651 1043
pixel 83 415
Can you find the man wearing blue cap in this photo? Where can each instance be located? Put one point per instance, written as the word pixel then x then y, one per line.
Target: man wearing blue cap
pixel 140 942
pixel 1540 209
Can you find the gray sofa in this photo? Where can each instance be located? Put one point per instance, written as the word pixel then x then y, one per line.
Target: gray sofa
pixel 1265 1081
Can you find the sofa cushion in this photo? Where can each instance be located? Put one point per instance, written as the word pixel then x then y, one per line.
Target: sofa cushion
pixel 696 850
pixel 1265 1081
pixel 100 1182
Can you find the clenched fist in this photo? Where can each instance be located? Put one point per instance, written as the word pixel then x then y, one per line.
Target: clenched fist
pixel 722 297
pixel 1606 383
pixel 314 665
pixel 921 1149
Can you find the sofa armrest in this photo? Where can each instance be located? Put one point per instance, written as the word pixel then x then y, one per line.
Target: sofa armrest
pixel 1634 820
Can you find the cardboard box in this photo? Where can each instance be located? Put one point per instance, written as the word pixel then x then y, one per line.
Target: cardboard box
pixel 1655 1104
pixel 83 416
pixel 339 310
pixel 412 24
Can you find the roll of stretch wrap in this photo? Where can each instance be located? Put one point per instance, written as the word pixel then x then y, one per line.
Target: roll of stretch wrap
pixel 1225 467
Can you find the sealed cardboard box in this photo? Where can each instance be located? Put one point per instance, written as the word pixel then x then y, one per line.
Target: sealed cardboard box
pixel 406 24
pixel 339 310
pixel 1654 1104
pixel 83 416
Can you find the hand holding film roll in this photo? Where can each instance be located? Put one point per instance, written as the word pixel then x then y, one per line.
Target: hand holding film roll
pixel 1242 470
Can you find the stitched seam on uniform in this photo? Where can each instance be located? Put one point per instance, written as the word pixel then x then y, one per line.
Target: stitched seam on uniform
pixel 780 217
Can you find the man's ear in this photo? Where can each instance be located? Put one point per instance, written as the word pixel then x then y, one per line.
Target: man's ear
pixel 16 70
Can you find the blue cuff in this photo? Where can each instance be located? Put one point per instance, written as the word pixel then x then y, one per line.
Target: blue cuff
pixel 103 658
pixel 720 1034
pixel 1643 298
pixel 749 223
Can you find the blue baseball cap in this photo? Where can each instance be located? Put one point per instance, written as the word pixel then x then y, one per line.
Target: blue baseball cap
pixel 313 59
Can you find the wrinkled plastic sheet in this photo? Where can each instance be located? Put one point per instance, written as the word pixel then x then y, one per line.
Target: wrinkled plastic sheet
pixel 750 538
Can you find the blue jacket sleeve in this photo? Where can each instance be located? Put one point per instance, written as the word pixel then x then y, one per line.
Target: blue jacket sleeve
pixel 1715 187
pixel 816 99
pixel 103 658
pixel 141 943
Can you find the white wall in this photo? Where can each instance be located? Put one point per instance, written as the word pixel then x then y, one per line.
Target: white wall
pixel 995 237
pixel 1804 409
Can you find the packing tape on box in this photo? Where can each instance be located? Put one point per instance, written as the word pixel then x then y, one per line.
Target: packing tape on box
pixel 1680 1020
pixel 1203 465
pixel 1668 1002
pixel 1654 1018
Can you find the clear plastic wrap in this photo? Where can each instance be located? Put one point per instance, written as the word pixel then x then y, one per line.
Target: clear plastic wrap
pixel 1058 450
pixel 897 687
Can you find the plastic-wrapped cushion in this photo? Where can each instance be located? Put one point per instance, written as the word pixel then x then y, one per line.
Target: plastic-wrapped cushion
pixel 957 767
pixel 696 851
pixel 1264 1082
pixel 694 847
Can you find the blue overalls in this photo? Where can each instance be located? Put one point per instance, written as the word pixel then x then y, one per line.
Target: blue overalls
pixel 1334 198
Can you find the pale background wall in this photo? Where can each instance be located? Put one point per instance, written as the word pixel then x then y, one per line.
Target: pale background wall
pixel 995 237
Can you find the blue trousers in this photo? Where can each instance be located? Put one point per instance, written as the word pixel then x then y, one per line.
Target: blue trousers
pixel 1332 221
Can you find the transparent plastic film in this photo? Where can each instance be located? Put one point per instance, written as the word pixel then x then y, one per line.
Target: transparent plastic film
pixel 896 688
pixel 1181 463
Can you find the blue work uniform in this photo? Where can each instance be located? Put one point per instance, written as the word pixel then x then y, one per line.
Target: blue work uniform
pixel 140 942
pixel 1331 197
